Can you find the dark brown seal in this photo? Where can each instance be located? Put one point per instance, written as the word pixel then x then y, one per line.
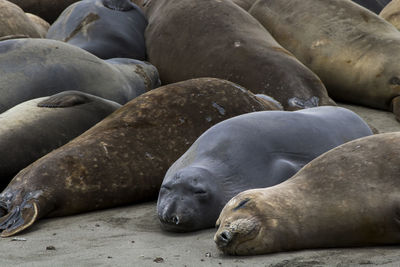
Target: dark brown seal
pixel 351 49
pixel 122 159
pixel 49 10
pixel 347 197
pixel 189 38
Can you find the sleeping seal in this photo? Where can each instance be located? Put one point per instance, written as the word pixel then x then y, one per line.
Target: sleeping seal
pixel 351 49
pixel 122 159
pixel 347 197
pixel 107 29
pixel 249 151
pixel 34 128
pixel 32 68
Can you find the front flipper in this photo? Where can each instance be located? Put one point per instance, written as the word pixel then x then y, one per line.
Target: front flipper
pixel 18 219
pixel 65 99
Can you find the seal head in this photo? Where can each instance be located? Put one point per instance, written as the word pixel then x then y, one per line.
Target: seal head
pixel 185 199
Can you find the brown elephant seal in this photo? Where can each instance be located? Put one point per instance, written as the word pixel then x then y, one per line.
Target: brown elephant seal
pixel 391 13
pixel 122 159
pixel 41 67
pixel 189 38
pixel 49 10
pixel 253 150
pixel 351 49
pixel 14 22
pixel 347 197
pixel 34 128
pixel 107 29
pixel 41 25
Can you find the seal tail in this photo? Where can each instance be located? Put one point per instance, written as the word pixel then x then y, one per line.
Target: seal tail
pixel 18 219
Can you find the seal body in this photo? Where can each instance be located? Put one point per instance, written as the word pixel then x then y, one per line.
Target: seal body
pixel 14 22
pixel 41 25
pixel 188 38
pixel 34 128
pixel 352 50
pixel 49 10
pixel 107 29
pixel 374 5
pixel 123 158
pixel 253 150
pixel 391 13
pixel 39 67
pixel 346 197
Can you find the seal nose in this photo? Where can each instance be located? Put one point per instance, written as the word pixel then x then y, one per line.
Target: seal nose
pixel 174 219
pixel 223 239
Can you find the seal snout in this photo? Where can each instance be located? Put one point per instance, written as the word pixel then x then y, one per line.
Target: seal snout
pixel 223 239
pixel 173 219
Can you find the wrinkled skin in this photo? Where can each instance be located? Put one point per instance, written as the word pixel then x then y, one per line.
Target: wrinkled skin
pixel 253 150
pixel 347 197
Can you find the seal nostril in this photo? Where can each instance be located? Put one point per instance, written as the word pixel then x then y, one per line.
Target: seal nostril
pixel 175 219
pixel 225 236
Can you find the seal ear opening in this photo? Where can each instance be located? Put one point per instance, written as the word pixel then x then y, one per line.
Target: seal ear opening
pixel 64 100
pixel 18 220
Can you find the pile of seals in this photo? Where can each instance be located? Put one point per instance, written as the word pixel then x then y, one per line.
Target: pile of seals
pixel 118 102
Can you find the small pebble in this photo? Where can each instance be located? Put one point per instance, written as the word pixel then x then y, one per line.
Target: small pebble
pixel 18 239
pixel 109 257
pixel 158 260
pixel 50 248
pixel 208 255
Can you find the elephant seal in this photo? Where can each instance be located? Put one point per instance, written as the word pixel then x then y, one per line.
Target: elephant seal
pixel 391 13
pixel 107 29
pixel 14 22
pixel 189 38
pixel 374 5
pixel 49 10
pixel 347 197
pixel 122 159
pixel 254 150
pixel 40 67
pixel 351 49
pixel 34 128
pixel 41 25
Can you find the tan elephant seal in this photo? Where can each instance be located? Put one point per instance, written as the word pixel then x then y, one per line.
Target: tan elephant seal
pixel 189 38
pixel 351 49
pixel 347 197
pixel 122 159
pixel 14 22
pixel 41 25
pixel 391 13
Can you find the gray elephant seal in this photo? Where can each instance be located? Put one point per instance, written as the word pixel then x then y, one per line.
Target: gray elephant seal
pixel 352 50
pixel 34 128
pixel 391 13
pixel 253 150
pixel 40 67
pixel 186 39
pixel 122 159
pixel 107 29
pixel 346 197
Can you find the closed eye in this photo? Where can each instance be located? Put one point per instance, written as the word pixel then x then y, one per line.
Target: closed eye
pixel 165 187
pixel 200 192
pixel 241 204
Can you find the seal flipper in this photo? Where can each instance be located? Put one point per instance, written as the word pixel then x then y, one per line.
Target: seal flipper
pixel 65 99
pixel 18 219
